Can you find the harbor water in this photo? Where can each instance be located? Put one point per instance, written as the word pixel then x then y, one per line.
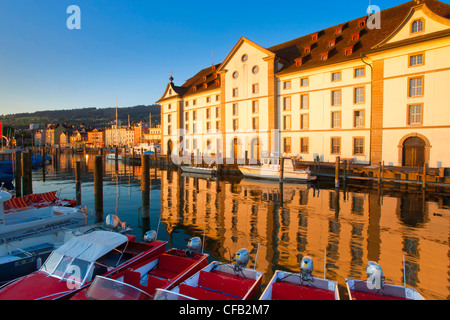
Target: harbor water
pixel 341 230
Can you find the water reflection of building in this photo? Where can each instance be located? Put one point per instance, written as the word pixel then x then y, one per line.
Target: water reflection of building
pixel 352 227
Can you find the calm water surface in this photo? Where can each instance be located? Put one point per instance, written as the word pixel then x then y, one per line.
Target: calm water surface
pixel 278 227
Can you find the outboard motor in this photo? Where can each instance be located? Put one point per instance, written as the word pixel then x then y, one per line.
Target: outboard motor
pixel 150 236
pixel 194 245
pixel 375 275
pixel 306 269
pixel 114 222
pixel 241 259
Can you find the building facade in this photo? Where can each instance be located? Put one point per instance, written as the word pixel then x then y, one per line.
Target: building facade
pixel 372 89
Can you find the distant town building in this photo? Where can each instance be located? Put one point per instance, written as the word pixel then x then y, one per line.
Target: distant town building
pixel 117 136
pixel 34 126
pixel 140 129
pixel 96 138
pixel 153 135
pixel 39 138
pixel 54 133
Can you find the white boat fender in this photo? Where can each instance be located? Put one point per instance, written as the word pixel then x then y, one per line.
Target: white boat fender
pixel 38 262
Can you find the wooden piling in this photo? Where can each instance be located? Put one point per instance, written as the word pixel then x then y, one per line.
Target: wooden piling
pixel 145 185
pixel 336 173
pixel 18 173
pixel 98 188
pixel 78 182
pixel 424 177
pixel 27 182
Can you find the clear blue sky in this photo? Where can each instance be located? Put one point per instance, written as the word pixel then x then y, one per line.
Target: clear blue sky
pixel 126 49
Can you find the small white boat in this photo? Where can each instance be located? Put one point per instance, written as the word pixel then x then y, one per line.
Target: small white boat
pixel 200 170
pixel 22 257
pixel 112 156
pixel 374 288
pixel 37 221
pixel 300 286
pixel 270 169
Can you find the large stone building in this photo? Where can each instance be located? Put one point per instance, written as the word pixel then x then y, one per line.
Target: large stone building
pixel 372 89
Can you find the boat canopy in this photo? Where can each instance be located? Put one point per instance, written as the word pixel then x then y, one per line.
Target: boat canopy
pixel 92 246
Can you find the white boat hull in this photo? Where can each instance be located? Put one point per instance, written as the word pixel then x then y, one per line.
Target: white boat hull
pixel 273 174
pixel 199 170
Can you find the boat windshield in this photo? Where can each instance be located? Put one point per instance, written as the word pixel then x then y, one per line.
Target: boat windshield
pixel 68 268
pixel 110 289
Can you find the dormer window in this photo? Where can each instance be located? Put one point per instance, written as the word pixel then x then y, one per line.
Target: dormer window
pixel 362 22
pixel 307 49
pixel 355 36
pixel 331 43
pixel 194 88
pixel 324 56
pixel 315 37
pixel 215 75
pixel 339 30
pixel 417 26
pixel 299 62
pixel 217 82
pixel 204 78
pixel 205 85
pixel 213 68
pixel 348 51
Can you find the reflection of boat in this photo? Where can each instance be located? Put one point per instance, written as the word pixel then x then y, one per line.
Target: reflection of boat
pixel 147 148
pixel 219 281
pixel 6 160
pixel 300 286
pixel 376 289
pixel 271 169
pixel 33 221
pixel 22 257
pixel 74 265
pixel 140 282
pixel 199 170
pixel 112 156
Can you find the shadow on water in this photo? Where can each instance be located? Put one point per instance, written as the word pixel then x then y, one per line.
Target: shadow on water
pixel 278 226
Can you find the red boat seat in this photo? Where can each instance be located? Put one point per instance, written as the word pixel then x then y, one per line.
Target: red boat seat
pixel 358 295
pixel 287 291
pixel 203 294
pixel 223 283
pixel 134 278
pixel 171 266
pixel 44 197
pixel 17 203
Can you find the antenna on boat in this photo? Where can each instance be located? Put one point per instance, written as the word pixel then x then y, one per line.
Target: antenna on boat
pixel 256 258
pixel 203 242
pixel 157 228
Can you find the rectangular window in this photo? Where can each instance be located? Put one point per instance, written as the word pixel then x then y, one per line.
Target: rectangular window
pixel 304 101
pixel 304 145
pixel 255 123
pixel 169 118
pixel 287 145
pixel 235 109
pixel 194 102
pixel 217 112
pixel 287 103
pixel 218 97
pixel 416 87
pixel 208 99
pixel 287 122
pixel 304 82
pixel 187 128
pixel 304 121
pixel 169 130
pixel 235 124
pixel 186 116
pixel 194 115
pixel 255 106
pixel 217 125
pixel 336 98
pixel 336 76
pixel 187 103
pixel 194 128
pixel 416 60
pixel 235 92
pixel 360 95
pixel 360 72
pixel 286 85
pixel 255 88
pixel 358 146
pixel 335 120
pixel 415 114
pixel 358 119
pixel 208 113
pixel 335 145
pixel 208 126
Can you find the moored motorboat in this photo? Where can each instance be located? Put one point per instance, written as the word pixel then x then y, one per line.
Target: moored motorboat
pixel 219 281
pixel 140 282
pixel 22 257
pixel 375 288
pixel 199 170
pixel 300 286
pixel 270 169
pixel 72 267
pixel 34 221
pixel 37 200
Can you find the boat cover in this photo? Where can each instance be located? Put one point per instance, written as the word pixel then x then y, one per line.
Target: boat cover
pixel 91 246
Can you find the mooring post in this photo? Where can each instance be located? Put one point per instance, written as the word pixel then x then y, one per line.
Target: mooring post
pixel 78 182
pixel 98 188
pixel 145 185
pixel 424 177
pixel 27 182
pixel 379 173
pixel 18 173
pixel 336 172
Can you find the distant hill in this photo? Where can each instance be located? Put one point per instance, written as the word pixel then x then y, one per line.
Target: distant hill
pixel 89 117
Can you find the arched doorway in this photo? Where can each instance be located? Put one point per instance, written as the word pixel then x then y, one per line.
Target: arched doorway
pixel 169 147
pixel 236 149
pixel 414 152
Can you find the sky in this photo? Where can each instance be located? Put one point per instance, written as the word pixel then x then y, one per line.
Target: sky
pixel 127 49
